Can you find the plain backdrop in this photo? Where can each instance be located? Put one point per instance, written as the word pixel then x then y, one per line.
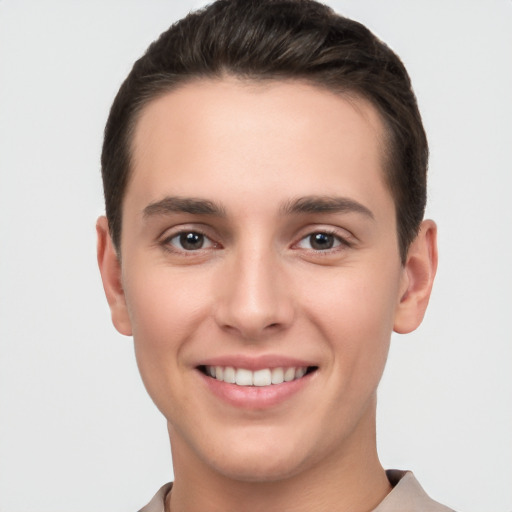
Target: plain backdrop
pixel 77 431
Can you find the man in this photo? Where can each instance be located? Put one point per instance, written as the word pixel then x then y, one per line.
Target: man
pixel 264 168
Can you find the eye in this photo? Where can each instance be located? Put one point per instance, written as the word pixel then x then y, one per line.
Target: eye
pixel 189 241
pixel 320 241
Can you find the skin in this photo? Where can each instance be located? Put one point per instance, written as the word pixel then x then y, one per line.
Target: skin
pixel 259 286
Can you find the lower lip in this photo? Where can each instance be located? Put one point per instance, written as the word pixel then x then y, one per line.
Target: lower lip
pixel 255 397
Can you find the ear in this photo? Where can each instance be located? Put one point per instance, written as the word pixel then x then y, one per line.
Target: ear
pixel 110 270
pixel 418 277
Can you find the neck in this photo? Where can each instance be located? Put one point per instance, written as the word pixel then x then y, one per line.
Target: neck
pixel 348 479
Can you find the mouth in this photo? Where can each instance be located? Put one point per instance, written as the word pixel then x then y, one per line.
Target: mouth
pixel 258 378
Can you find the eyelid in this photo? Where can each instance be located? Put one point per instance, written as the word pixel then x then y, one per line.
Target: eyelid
pixel 164 240
pixel 210 243
pixel 345 238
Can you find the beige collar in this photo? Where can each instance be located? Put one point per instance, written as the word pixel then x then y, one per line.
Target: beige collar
pixel 407 496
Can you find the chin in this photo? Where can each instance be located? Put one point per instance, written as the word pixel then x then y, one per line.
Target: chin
pixel 260 459
pixel 259 468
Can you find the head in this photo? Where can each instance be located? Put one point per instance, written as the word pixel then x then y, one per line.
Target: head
pixel 274 40
pixel 264 168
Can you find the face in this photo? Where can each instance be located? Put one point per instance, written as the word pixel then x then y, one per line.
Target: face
pixel 260 274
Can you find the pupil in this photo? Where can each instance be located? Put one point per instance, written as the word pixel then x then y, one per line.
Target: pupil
pixel 191 241
pixel 321 241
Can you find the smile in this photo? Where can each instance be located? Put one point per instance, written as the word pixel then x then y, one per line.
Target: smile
pixel 260 378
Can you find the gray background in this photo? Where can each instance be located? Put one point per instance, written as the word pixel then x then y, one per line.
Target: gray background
pixel 77 432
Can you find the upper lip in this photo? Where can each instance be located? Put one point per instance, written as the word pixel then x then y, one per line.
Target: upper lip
pixel 255 363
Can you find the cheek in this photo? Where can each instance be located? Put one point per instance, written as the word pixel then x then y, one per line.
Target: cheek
pixel 355 312
pixel 164 309
pixel 163 306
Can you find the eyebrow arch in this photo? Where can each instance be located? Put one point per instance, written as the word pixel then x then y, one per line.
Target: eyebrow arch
pixel 192 205
pixel 325 204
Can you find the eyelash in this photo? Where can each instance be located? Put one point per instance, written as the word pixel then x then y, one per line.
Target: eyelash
pixel 341 242
pixel 167 242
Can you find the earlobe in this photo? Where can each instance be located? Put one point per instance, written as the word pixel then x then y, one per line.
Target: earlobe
pixel 419 272
pixel 110 270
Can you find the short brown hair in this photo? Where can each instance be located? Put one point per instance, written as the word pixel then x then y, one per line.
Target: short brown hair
pixel 276 39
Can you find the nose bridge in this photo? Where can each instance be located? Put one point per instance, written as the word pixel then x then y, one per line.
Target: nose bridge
pixel 254 300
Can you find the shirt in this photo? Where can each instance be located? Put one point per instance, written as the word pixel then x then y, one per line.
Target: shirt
pixel 407 495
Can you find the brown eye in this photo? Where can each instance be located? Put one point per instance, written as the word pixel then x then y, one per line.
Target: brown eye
pixel 189 241
pixel 321 241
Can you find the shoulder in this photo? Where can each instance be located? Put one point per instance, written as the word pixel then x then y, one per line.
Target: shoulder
pixel 157 504
pixel 408 495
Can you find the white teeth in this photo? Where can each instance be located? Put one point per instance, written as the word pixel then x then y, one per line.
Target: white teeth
pixel 229 375
pixel 300 372
pixel 289 374
pixel 264 377
pixel 277 376
pixel 243 377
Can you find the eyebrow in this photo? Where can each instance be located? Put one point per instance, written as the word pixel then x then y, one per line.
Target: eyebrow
pixel 306 204
pixel 175 204
pixel 325 204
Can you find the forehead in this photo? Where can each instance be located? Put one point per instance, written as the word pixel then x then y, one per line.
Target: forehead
pixel 257 136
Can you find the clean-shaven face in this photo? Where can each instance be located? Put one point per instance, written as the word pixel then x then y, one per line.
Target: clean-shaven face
pixel 261 272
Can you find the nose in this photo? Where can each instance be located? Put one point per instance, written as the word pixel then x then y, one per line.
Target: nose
pixel 254 296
